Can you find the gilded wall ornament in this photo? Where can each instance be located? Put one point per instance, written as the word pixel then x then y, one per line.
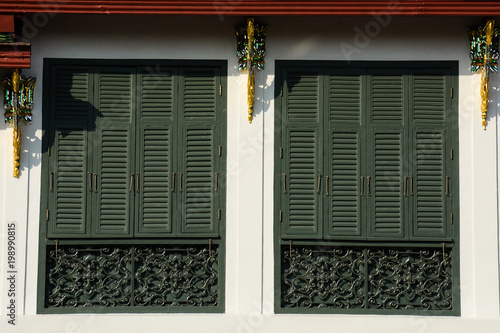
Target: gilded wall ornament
pixel 484 55
pixel 251 50
pixel 18 103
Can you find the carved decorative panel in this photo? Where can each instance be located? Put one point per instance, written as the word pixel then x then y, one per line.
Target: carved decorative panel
pixel 89 276
pixel 366 278
pixel 132 276
pixel 176 276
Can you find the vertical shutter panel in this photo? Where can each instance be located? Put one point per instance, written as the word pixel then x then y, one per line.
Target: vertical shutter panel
pixel 199 212
pixel 115 95
pixel 345 99
pixel 199 94
pixel 387 209
pixel 69 197
pixel 197 159
pixel 386 99
pixel 429 99
pixel 302 156
pixel 429 203
pixel 345 158
pixel 154 123
pixel 302 203
pixel 113 197
pixel 302 96
pixel 71 93
pixel 345 214
pixel 155 196
pixel 70 116
pixel 157 96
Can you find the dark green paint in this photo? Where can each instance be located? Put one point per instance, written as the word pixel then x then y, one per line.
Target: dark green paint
pixel 383 120
pixel 133 123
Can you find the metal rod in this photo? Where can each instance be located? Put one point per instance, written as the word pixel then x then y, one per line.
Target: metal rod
pixel 180 182
pixel 405 185
pixel 447 193
pixel 327 184
pixel 216 181
pixel 368 185
pixel 411 185
pixel 319 183
pixel 137 185
pixel 362 185
pixel 90 181
pixel 284 183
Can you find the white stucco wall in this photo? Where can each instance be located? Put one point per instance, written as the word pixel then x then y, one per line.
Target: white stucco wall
pixel 249 262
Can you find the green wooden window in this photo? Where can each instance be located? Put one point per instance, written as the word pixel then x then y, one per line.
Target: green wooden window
pixel 364 153
pixel 133 155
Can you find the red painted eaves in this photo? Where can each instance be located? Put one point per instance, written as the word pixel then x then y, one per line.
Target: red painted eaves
pixel 15 55
pixel 256 7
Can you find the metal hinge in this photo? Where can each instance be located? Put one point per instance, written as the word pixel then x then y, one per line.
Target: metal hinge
pixel 281 216
pixel 218 214
pixel 48 151
pixel 451 92
pixel 451 218
pixel 47 214
pixel 281 91
pixel 281 152
pixel 220 150
pixel 220 90
pixel 451 154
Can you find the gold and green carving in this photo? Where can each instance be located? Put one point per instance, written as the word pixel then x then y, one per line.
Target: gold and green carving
pixel 251 50
pixel 18 103
pixel 484 55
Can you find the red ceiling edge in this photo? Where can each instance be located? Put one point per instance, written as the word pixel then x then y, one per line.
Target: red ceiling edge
pixel 15 55
pixel 255 7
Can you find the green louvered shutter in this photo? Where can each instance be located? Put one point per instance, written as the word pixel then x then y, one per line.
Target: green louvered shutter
pixel 344 153
pixel 71 114
pixel 198 170
pixel 301 172
pixel 154 128
pixel 386 214
pixel 428 150
pixel 113 144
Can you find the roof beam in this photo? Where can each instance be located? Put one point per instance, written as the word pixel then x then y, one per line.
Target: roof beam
pixel 256 7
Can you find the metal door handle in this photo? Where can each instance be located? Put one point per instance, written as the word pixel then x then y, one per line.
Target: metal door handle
pixel 90 181
pixel 411 185
pixel 368 178
pixel 131 182
pixel 319 183
pixel 95 182
pixel 216 181
pixel 362 185
pixel 173 181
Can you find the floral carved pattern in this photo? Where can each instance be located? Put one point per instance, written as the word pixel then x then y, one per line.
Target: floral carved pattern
pixel 124 276
pixel 86 276
pixel 176 276
pixel 366 278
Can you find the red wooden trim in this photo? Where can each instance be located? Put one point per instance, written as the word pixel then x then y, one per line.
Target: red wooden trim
pixel 256 7
pixel 6 23
pixel 15 55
